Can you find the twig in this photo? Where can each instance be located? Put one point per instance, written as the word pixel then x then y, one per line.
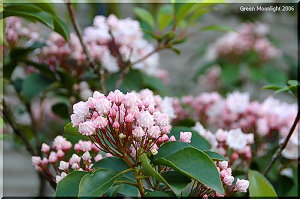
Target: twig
pixel 17 131
pixel 283 145
pixel 127 69
pixel 88 55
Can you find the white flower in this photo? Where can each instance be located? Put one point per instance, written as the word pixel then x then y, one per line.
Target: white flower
pixel 166 107
pixel 63 165
pixel 145 119
pixel 242 185
pixel 237 102
pixel 236 139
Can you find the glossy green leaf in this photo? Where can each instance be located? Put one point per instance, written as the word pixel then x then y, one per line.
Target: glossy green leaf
pixel 71 133
pixel 69 185
pixel 61 28
pixel 29 12
pixel 35 84
pixel 260 186
pixel 115 164
pixel 122 190
pixel 148 170
pixel 197 140
pixel 215 156
pixel 195 164
pixel 176 180
pixel 145 16
pixel 97 183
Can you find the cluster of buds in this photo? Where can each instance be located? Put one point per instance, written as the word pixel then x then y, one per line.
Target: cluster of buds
pixel 114 42
pixel 124 125
pixel 248 38
pixel 69 55
pixel 58 160
pixel 266 119
pixel 233 144
pixel 15 31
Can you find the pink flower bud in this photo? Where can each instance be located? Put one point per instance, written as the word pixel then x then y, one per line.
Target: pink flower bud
pixel 44 161
pixel 129 118
pixel 86 156
pixel 223 165
pixel 185 137
pixel 221 135
pixel 75 166
pixel 242 185
pixel 74 159
pixel 100 122
pixel 108 155
pixel 228 180
pixel 154 132
pixel 87 128
pixel 52 157
pixel 36 160
pixel 59 178
pixel 172 138
pixel 98 157
pixel 138 132
pixel 60 154
pixel 63 165
pixel 45 148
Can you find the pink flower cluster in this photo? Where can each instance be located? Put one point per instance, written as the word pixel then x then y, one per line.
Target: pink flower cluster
pixel 248 37
pixel 62 161
pixel 265 119
pixel 69 55
pixel 15 31
pixel 123 124
pixel 233 144
pixel 113 42
pixel 227 179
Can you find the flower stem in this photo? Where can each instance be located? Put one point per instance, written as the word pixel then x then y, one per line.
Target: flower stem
pixel 283 145
pixel 139 182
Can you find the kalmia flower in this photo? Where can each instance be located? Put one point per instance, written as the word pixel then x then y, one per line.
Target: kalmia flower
pixel 123 124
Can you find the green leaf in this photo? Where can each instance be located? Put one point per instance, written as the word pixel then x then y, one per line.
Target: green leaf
pixel 217 27
pixel 35 84
pixel 46 6
pixel 148 170
pixel 181 10
pixel 61 109
pixel 145 16
pixel 61 28
pixel 176 180
pixel 71 133
pixel 44 13
pixel 115 164
pixel 69 185
pixel 215 156
pixel 97 183
pixel 29 12
pixel 194 164
pixel 156 194
pixel 124 190
pixel 164 16
pixel 197 140
pixel 272 87
pixel 260 186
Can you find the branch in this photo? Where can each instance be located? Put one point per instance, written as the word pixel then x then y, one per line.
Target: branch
pixel 88 55
pixel 283 145
pixel 7 117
